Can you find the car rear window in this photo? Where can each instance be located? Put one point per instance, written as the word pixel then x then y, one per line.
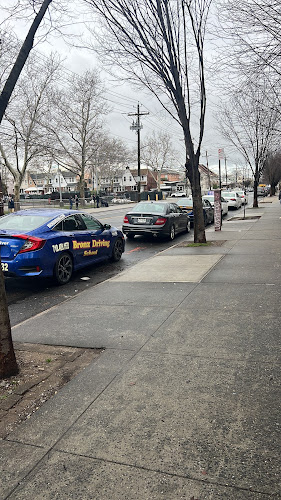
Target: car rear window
pixel 228 194
pixel 22 222
pixel 156 208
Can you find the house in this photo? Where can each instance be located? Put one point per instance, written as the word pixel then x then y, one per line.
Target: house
pixel 127 181
pixel 207 178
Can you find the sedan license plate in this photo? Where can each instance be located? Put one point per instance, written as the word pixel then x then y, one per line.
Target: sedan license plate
pixel 141 220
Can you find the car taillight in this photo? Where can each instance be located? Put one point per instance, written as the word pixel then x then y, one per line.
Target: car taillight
pixel 126 220
pixel 233 199
pixel 31 243
pixel 160 221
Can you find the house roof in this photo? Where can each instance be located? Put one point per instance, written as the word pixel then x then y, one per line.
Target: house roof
pixel 206 170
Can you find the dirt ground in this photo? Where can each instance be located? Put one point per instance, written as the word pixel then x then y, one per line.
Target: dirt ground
pixel 43 371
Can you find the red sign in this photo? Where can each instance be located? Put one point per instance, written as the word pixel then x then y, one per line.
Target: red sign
pixel 221 153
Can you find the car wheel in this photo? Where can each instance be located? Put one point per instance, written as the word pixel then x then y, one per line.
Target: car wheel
pixel 117 250
pixel 172 233
pixel 187 229
pixel 130 236
pixel 63 269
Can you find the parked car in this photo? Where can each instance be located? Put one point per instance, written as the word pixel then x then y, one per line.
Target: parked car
pixel 54 243
pixel 157 218
pixel 233 198
pixel 178 194
pixel 224 203
pixel 121 200
pixel 186 204
pixel 243 197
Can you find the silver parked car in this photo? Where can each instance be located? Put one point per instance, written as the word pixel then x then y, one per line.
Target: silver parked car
pixel 233 198
pixel 224 203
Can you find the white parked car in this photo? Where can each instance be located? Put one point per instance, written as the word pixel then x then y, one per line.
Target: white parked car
pixel 233 199
pixel 178 194
pixel 243 197
pixel 224 203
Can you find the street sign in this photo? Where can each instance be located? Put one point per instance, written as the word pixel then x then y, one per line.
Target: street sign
pixel 221 153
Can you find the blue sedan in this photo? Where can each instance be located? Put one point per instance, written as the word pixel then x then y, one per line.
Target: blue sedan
pixel 54 243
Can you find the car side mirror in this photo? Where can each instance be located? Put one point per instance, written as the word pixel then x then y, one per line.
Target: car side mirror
pixel 106 226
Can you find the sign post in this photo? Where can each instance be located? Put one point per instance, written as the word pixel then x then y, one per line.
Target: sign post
pixel 217 209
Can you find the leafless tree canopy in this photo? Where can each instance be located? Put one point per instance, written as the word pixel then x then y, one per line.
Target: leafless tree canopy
pixel 158 153
pixel 255 26
pixel 22 136
pixel 160 44
pixel 250 123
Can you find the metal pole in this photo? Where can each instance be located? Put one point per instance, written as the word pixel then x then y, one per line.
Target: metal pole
pixel 1 195
pixel 137 127
pixel 219 174
pixel 138 133
pixel 61 202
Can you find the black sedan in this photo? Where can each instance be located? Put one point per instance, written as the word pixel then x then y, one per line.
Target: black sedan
pixel 157 218
pixel 186 204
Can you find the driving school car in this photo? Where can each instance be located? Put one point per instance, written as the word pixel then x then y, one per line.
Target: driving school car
pixel 54 243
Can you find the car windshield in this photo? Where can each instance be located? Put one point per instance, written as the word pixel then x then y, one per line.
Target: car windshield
pixel 157 208
pixel 209 198
pixel 20 222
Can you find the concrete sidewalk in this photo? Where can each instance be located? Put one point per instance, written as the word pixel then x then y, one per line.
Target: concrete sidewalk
pixel 184 403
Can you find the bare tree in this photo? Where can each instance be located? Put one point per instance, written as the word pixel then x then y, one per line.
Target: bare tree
pixel 76 124
pixel 111 157
pixel 255 28
pixel 158 153
pixel 250 124
pixel 8 363
pixel 160 44
pixel 272 171
pixel 22 138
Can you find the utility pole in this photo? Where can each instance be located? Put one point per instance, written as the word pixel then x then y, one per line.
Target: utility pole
pixel 208 171
pixel 136 125
pixel 1 195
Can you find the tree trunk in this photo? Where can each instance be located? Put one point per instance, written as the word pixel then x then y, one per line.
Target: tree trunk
pixel 193 175
pixel 21 59
pixel 17 196
pixel 8 363
pixel 255 201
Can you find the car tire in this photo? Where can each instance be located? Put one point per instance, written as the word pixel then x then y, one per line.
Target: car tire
pixel 187 229
pixel 117 250
pixel 130 236
pixel 172 233
pixel 63 269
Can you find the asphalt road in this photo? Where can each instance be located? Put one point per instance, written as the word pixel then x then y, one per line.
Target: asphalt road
pixel 28 297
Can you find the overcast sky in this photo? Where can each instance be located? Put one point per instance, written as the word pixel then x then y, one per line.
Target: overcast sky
pixel 123 100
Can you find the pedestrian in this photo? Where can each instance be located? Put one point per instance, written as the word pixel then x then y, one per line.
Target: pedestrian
pixel 11 204
pixel 280 196
pixel 70 202
pixel 97 200
pixel 76 199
